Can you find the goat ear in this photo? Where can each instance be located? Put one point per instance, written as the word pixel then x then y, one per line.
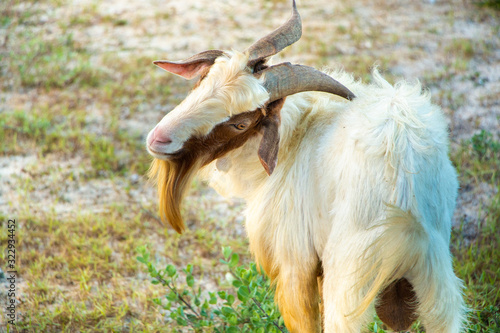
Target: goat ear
pixel 269 145
pixel 192 66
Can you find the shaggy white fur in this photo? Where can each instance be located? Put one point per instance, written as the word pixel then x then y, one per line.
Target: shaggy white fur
pixel 365 188
pixel 362 195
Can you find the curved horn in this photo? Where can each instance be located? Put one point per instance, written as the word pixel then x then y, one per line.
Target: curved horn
pixel 286 79
pixel 192 66
pixel 277 40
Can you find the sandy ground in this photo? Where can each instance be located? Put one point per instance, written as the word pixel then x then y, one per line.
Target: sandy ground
pixel 412 36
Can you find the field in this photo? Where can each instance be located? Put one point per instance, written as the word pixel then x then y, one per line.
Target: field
pixel 79 93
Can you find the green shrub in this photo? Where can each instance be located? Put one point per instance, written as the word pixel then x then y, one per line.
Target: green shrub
pixel 248 308
pixel 495 4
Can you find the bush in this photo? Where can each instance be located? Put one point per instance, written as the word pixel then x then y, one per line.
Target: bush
pixel 185 304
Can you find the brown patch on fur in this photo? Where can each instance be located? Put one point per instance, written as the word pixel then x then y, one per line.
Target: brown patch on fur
pixel 174 175
pixel 396 305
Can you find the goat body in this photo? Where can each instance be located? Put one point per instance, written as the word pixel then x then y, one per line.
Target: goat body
pixel 363 191
pixel 356 211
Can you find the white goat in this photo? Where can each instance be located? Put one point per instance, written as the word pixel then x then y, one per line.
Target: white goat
pixel 349 202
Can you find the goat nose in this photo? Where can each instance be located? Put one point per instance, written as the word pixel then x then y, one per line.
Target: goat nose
pixel 160 137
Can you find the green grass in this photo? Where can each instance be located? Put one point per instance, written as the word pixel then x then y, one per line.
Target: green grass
pixel 80 271
pixel 478 264
pixel 77 271
pixel 477 261
pixel 495 4
pixel 478 160
pixel 68 133
pixel 52 64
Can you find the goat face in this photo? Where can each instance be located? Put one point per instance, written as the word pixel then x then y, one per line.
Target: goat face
pixel 220 114
pixel 212 110
pixel 237 97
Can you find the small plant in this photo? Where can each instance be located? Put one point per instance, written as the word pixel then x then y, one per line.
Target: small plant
pixel 485 146
pixel 495 4
pixel 219 311
pixel 478 159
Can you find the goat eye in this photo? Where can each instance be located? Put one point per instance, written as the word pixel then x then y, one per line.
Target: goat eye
pixel 240 126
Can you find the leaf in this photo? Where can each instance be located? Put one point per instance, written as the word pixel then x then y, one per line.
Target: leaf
pixel 213 299
pixel 190 280
pixel 234 260
pixel 181 321
pixel 243 294
pixel 152 270
pixel 227 311
pixel 230 299
pixel 141 259
pixel 226 251
pixel 232 319
pixel 237 283
pixel 270 327
pixel 171 271
pixel 172 296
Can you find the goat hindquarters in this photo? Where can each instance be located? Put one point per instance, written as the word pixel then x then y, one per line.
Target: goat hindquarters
pixel 403 252
pixel 394 191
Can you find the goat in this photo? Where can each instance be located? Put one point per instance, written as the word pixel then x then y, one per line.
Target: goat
pixel 348 186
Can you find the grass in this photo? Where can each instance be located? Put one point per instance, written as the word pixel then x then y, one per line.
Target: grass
pixel 478 264
pixel 495 4
pixel 80 271
pixel 78 113
pixel 477 261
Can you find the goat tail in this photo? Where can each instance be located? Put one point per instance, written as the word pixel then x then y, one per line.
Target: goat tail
pixel 401 246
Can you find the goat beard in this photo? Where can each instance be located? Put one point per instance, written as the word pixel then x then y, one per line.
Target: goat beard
pixel 173 179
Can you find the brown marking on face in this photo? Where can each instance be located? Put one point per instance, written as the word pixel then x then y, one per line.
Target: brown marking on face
pixel 227 136
pixel 396 305
pixel 174 175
